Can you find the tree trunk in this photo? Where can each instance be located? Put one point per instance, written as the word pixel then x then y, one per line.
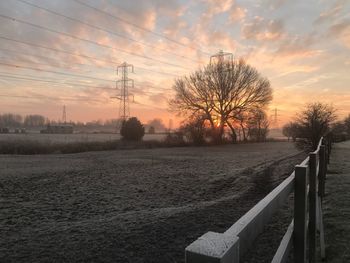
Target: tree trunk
pixel 243 131
pixel 233 133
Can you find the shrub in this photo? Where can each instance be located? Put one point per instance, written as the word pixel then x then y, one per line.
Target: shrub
pixel 174 139
pixel 132 130
pixel 194 130
pixel 151 130
pixel 312 123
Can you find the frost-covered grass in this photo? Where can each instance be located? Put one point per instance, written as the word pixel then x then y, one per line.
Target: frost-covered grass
pixel 337 205
pixel 142 205
pixel 70 138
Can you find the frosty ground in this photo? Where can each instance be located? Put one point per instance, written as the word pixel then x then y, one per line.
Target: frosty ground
pixel 69 138
pixel 336 205
pixel 134 205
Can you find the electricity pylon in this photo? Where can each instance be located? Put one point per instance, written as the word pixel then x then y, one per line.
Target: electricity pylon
pixel 124 84
pixel 221 57
pixel 275 119
pixel 64 115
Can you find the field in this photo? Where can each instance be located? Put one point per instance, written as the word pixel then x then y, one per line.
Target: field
pixel 68 138
pixel 336 205
pixel 91 137
pixel 134 205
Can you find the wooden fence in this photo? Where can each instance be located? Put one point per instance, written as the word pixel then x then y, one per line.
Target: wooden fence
pixel 308 184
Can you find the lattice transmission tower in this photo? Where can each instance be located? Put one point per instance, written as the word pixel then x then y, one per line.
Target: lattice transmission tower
pixel 275 118
pixel 64 115
pixel 221 57
pixel 123 84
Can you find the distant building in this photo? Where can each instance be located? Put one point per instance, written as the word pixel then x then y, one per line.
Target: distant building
pixel 58 129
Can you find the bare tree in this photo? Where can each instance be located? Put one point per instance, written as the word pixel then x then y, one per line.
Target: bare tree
pixel 220 92
pixel 341 130
pixel 34 121
pixel 347 124
pixel 157 124
pixel 290 130
pixel 242 121
pixel 314 122
pixel 258 125
pixel 11 120
pixel 194 129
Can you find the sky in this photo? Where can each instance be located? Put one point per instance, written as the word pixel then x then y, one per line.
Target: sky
pixel 66 52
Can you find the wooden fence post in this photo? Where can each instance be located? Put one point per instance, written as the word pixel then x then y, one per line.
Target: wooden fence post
pixel 213 248
pixel 322 172
pixel 312 207
pixel 329 148
pixel 300 211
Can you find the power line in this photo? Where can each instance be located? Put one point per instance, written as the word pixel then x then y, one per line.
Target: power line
pixel 49 98
pixel 150 106
pixel 80 64
pixel 106 30
pixel 54 72
pixel 139 27
pixel 74 54
pixel 71 99
pixel 13 19
pixel 66 74
pixel 66 98
pixel 62 73
pixel 51 81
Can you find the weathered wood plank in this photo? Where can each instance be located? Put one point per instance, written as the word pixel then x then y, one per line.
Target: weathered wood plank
pixel 250 225
pixel 312 208
pixel 283 250
pixel 300 213
pixel 321 229
pixel 322 174
pixel 213 248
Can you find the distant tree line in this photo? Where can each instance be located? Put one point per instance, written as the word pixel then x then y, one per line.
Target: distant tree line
pixel 35 121
pixel 314 121
pixel 12 120
pixel 341 129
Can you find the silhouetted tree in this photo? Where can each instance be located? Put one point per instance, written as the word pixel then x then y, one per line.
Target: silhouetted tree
pixel 242 119
pixel 220 92
pixel 132 129
pixel 290 130
pixel 339 131
pixel 194 129
pixel 157 124
pixel 258 125
pixel 11 120
pixel 34 121
pixel 347 124
pixel 151 130
pixel 313 123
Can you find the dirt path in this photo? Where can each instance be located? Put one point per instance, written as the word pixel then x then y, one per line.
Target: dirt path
pixel 337 205
pixel 132 206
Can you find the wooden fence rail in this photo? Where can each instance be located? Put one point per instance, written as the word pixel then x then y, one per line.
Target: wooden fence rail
pixel 307 182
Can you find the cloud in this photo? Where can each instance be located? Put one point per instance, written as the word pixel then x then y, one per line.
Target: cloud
pixel 215 7
pixel 263 30
pixel 298 46
pixel 275 4
pixel 341 31
pixel 329 14
pixel 237 14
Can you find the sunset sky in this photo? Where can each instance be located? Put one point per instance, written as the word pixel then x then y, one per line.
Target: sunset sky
pixel 65 52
